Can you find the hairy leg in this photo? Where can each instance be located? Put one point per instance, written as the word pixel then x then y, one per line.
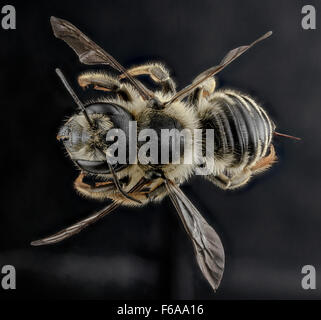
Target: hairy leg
pixel 205 90
pixel 266 162
pixel 236 181
pixel 105 82
pixel 158 74
pixel 221 180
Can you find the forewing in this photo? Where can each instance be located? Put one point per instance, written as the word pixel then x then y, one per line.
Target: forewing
pixel 229 57
pixel 208 247
pixel 77 227
pixel 82 224
pixel 89 52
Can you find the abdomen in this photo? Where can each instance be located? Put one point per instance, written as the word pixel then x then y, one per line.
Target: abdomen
pixel 242 129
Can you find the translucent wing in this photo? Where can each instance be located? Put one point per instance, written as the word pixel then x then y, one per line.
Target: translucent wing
pixel 82 224
pixel 76 228
pixel 208 247
pixel 90 53
pixel 231 55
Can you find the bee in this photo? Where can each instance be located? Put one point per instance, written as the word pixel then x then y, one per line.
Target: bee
pixel 242 140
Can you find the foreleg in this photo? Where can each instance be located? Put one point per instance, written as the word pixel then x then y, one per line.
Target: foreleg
pixel 105 82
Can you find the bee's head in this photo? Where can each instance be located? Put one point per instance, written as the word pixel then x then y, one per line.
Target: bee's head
pixel 85 140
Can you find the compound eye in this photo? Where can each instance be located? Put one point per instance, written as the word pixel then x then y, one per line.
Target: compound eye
pixel 97 167
pixel 93 166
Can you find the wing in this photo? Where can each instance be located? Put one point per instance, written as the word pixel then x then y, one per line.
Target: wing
pixel 231 55
pixel 75 228
pixel 82 224
pixel 208 247
pixel 90 53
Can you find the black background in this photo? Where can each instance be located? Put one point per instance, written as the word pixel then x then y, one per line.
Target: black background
pixel 270 228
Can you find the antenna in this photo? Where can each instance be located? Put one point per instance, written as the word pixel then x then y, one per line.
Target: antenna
pixel 74 96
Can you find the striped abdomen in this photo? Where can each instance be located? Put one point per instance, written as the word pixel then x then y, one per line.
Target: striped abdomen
pixel 242 129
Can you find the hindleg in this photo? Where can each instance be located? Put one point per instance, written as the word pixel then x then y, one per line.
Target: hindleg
pixel 266 162
pixel 241 178
pixel 204 90
pixel 233 182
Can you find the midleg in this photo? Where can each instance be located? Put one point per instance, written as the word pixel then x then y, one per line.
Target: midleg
pixel 158 74
pixel 221 180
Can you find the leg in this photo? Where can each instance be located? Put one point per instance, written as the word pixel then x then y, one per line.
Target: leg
pixel 262 165
pixel 157 72
pixel 221 180
pixel 236 181
pixel 103 81
pixel 203 91
pixel 266 162
pixel 157 193
pixel 240 179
